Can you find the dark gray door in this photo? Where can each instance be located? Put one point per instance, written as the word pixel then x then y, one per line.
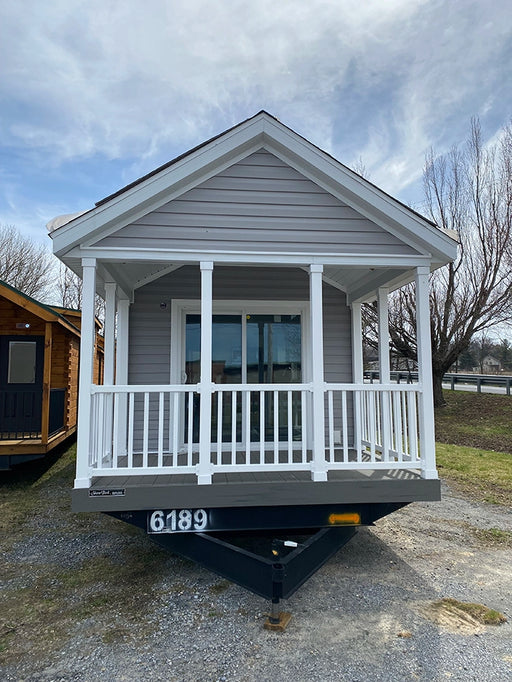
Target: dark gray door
pixel 21 386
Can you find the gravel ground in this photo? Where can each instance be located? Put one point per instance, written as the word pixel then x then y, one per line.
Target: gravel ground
pixel 366 615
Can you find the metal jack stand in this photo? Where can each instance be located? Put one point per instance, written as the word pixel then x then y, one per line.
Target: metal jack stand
pixel 277 620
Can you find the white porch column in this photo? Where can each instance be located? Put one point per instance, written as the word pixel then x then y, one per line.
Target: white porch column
pixel 204 472
pixel 108 370
pixel 426 397
pixel 110 330
pixel 123 312
pixel 383 312
pixel 357 370
pixel 384 368
pixel 319 466
pixel 86 367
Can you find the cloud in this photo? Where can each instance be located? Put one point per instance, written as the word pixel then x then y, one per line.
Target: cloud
pixel 141 82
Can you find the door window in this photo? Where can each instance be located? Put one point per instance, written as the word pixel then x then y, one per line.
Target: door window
pixel 22 362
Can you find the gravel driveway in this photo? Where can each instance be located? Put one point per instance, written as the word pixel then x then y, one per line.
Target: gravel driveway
pixel 366 615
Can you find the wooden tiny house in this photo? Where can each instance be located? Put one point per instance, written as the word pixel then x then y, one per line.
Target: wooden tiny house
pixel 234 278
pixel 39 366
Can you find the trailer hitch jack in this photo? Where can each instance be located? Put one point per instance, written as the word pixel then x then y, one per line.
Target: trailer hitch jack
pixel 277 620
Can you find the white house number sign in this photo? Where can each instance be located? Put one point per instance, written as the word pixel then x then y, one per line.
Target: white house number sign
pixel 177 521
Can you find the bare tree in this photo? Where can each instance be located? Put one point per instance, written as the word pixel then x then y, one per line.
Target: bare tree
pixel 468 190
pixel 69 287
pixel 24 264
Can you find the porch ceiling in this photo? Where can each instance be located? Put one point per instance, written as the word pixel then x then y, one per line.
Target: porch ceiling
pixel 359 282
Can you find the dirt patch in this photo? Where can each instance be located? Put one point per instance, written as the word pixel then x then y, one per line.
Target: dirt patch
pixel 462 617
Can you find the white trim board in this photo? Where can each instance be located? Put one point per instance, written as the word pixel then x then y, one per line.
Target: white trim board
pixel 262 131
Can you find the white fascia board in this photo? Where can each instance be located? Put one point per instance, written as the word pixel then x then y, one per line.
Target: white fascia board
pixel 162 187
pixel 112 254
pixel 362 196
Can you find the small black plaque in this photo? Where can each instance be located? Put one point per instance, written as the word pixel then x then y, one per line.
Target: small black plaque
pixel 107 492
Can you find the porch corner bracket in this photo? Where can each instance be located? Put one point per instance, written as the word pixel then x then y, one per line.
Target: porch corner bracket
pixel 317 475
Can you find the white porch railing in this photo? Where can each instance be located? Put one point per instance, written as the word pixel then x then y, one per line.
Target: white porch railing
pixel 255 427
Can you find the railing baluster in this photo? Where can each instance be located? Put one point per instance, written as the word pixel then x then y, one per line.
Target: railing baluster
pixel 115 435
pixel 160 429
pixel 190 430
pixel 247 427
pixel 131 426
pixel 145 442
pixel 385 424
pixel 289 426
pixel 101 431
pixel 233 426
pixel 403 402
pixel 220 396
pixel 377 398
pixel 397 425
pixel 330 402
pixel 176 397
pixel 303 426
pixel 344 425
pixel 372 416
pixel 262 427
pixel 413 427
pixel 276 427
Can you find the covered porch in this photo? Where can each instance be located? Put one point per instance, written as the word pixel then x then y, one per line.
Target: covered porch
pixel 234 277
pixel 248 390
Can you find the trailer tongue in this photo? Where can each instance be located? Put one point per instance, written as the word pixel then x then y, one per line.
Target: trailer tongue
pixel 267 550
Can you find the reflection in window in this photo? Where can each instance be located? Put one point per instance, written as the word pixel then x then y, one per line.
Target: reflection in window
pixel 22 362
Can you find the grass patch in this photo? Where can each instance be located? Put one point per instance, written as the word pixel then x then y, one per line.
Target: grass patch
pixel 480 613
pixel 483 474
pixel 494 536
pixel 41 603
pixel 478 420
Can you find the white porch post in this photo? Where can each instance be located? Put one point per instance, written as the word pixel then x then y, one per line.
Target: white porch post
pixel 123 311
pixel 426 397
pixel 357 370
pixel 384 367
pixel 86 367
pixel 110 326
pixel 319 467
pixel 204 473
pixel 108 371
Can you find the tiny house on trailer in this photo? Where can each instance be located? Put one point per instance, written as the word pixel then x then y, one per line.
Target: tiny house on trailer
pixel 234 397
pixel 39 358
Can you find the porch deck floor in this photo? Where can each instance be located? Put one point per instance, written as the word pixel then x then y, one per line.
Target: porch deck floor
pixel 253 489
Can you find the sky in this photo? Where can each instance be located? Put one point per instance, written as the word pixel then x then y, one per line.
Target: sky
pixel 95 93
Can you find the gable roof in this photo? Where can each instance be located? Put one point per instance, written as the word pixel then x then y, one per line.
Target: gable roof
pixel 41 310
pixel 221 151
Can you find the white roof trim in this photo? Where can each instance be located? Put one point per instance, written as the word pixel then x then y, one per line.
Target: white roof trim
pixel 260 131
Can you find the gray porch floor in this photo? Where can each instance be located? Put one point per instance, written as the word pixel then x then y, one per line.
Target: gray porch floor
pixel 253 489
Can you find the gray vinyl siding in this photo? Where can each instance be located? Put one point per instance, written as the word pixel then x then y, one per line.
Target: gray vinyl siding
pixel 258 204
pixel 150 325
